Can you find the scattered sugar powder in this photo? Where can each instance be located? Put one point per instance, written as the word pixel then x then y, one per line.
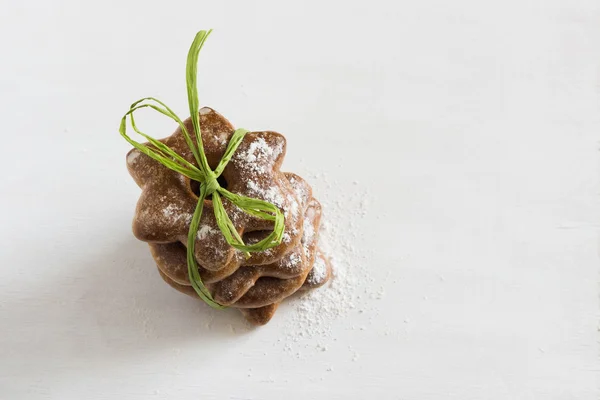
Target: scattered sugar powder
pixel 312 320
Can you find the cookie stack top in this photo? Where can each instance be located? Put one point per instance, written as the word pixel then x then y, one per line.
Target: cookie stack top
pixel 256 282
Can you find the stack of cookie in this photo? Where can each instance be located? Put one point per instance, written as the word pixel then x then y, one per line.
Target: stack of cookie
pixel 255 284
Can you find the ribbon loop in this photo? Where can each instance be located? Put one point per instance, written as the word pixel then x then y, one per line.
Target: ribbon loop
pixel 209 185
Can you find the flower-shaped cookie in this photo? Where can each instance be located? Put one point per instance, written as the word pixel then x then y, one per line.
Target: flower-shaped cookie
pixel 257 289
pixel 168 199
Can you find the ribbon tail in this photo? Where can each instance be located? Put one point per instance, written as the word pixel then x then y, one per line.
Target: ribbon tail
pixel 194 274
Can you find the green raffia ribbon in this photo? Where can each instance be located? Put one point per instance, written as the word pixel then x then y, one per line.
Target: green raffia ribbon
pixel 209 186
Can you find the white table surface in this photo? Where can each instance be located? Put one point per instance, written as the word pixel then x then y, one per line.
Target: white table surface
pixel 470 127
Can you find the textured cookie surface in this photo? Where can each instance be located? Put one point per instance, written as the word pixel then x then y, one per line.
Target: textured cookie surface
pixel 167 202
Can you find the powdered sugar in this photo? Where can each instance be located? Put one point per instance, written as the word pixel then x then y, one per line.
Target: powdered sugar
pixel 205 231
pixel 271 194
pixel 309 232
pixel 132 156
pixel 175 213
pixel 293 205
pixel 222 138
pixel 253 186
pixel 318 272
pixel 300 189
pixel 311 324
pixel 292 261
pixel 286 238
pixel 274 196
pixel 257 156
pixel 170 211
pixel 308 236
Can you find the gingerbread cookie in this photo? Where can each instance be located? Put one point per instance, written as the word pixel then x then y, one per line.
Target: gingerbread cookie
pixel 254 286
pixel 165 208
pixel 269 215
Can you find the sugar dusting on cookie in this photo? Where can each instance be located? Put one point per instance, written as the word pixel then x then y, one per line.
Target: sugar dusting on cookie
pixel 318 272
pixel 274 196
pixel 257 156
pixel 308 235
pixel 176 214
pixel 292 261
pixel 132 156
pixel 205 231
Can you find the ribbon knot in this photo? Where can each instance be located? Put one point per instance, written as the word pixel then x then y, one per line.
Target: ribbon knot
pixel 211 184
pixel 202 173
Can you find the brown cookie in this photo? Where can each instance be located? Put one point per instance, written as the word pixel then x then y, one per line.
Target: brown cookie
pixel 259 316
pixel 251 286
pixel 168 199
pixel 171 257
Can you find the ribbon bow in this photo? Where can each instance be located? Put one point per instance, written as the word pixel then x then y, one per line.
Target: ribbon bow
pixel 209 186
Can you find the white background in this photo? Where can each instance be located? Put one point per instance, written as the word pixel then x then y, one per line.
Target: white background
pixel 470 127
